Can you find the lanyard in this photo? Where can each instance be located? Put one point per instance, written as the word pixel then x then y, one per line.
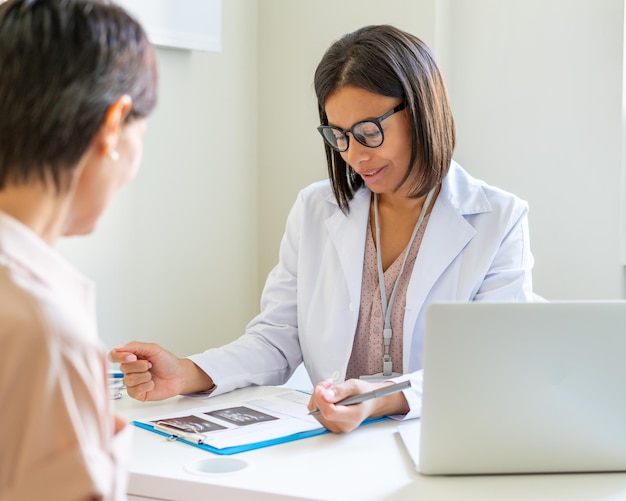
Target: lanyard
pixel 387 365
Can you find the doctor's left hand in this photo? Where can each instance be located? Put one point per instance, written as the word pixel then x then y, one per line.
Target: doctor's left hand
pixel 341 418
pixel 345 418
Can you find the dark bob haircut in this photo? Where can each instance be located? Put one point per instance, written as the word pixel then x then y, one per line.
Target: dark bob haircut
pixel 390 62
pixel 62 64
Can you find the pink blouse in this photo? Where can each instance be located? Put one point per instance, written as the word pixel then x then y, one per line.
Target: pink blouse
pixel 368 348
pixel 58 432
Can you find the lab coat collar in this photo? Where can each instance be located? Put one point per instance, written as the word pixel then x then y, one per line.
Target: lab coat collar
pixel 463 192
pixel 447 233
pixel 348 233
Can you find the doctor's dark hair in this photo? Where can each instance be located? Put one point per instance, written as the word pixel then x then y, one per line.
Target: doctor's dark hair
pixel 387 61
pixel 63 63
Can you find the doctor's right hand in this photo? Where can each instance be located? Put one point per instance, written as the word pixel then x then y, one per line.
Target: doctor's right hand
pixel 152 373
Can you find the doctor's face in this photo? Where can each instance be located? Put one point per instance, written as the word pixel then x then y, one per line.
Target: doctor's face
pixel 382 168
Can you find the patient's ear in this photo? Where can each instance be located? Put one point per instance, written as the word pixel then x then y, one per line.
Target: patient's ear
pixel 113 124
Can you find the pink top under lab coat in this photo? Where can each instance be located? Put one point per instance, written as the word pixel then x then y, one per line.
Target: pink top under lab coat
pixel 56 420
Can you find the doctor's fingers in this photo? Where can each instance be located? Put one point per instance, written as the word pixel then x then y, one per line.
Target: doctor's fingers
pixel 138 375
pixel 140 391
pixel 340 418
pixel 136 367
pixel 119 357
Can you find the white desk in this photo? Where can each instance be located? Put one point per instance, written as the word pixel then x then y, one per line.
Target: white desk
pixel 370 463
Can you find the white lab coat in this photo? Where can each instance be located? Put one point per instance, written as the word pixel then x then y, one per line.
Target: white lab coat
pixel 475 248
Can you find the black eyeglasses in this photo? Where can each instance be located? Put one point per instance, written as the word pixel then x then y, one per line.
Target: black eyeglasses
pixel 368 132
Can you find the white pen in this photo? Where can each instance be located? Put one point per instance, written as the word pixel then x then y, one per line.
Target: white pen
pixel 177 433
pixel 362 397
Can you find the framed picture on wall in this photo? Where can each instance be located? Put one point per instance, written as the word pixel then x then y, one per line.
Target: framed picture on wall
pixel 182 24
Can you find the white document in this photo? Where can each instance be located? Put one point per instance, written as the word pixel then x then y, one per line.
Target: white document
pixel 240 424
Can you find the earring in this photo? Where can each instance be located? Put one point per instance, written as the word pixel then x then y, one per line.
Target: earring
pixel 114 155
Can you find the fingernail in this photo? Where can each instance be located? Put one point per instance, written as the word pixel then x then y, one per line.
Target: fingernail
pixel 149 365
pixel 131 358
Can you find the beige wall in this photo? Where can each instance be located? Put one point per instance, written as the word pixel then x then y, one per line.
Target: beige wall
pixel 536 86
pixel 175 257
pixel 293 36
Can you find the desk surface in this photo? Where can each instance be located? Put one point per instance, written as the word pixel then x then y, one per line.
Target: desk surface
pixel 370 463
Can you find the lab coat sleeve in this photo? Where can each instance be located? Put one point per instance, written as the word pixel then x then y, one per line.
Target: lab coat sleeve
pixel 509 277
pixel 413 395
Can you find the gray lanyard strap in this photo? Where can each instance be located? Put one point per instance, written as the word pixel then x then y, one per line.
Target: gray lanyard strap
pixel 387 365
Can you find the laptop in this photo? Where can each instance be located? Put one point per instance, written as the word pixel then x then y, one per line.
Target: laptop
pixel 522 388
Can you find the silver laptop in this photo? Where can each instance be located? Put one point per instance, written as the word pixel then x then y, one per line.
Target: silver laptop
pixel 524 387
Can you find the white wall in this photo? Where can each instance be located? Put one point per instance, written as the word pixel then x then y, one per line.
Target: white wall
pixel 536 86
pixel 293 36
pixel 175 257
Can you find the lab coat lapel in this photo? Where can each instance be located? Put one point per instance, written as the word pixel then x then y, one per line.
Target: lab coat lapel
pixel 347 234
pixel 446 235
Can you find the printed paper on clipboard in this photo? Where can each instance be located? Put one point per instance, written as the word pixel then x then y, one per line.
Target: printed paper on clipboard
pixel 247 425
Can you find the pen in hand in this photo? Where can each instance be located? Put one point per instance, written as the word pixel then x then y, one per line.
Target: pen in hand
pixel 362 397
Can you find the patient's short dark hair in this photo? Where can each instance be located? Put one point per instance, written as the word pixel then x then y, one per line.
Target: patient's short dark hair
pixel 62 64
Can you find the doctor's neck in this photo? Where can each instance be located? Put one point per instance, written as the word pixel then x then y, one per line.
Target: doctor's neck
pixel 399 201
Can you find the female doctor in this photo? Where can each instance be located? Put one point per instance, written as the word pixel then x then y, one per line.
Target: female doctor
pixel 398 226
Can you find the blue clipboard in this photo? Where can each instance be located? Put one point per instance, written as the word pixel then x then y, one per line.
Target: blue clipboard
pixel 251 446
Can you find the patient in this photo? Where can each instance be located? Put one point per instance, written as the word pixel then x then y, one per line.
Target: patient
pixel 77 80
